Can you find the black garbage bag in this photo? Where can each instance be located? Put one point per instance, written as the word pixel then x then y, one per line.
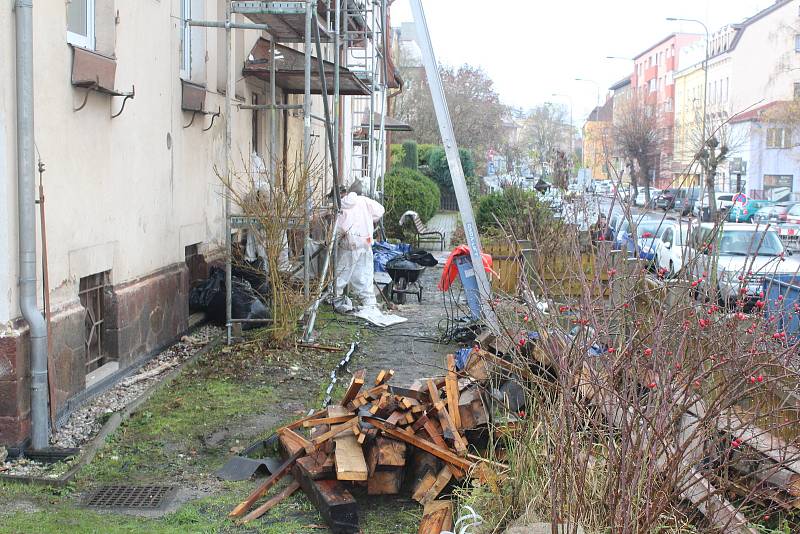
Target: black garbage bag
pixel 256 276
pixel 209 296
pixel 403 263
pixel 422 257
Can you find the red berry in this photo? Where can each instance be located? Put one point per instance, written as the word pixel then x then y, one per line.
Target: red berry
pixel 760 378
pixel 648 351
pixel 752 380
pixel 735 443
pixel 652 385
pixel 611 349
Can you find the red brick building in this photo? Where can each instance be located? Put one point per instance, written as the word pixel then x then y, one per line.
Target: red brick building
pixel 652 78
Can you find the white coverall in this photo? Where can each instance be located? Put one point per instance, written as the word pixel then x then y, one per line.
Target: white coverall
pixel 354 264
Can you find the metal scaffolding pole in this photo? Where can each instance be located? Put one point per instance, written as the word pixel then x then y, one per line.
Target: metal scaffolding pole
pixel 229 92
pixel 307 151
pixel 273 117
pixel 454 162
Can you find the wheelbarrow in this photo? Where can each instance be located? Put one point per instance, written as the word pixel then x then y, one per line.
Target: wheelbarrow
pixel 405 280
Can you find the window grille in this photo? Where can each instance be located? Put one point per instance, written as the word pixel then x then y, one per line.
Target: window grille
pixel 91 293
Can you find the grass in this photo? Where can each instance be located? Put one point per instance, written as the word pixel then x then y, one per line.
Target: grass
pixel 167 441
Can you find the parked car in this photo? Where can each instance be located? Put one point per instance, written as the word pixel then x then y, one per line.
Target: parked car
pixel 602 187
pixel 793 215
pixel 743 210
pixel 671 247
pixel 736 257
pixel 724 203
pixel 647 232
pixel 774 214
pixel 685 200
pixel 665 200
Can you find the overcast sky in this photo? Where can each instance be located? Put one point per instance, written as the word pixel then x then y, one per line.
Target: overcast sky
pixel 534 48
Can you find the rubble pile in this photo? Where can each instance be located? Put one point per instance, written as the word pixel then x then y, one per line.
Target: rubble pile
pixel 385 439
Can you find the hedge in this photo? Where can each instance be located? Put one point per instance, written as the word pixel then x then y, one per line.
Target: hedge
pixel 407 189
pixel 410 155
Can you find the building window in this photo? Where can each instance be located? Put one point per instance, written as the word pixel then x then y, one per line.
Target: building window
pixel 91 291
pixel 186 40
pixel 797 90
pixel 797 42
pixel 80 23
pixel 779 138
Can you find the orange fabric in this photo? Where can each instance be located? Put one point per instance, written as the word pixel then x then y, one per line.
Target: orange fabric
pixel 450 271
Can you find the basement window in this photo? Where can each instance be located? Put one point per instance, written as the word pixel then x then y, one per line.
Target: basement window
pixel 80 23
pixel 91 293
pixel 195 263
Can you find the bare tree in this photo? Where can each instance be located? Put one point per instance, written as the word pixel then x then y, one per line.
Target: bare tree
pixel 546 130
pixel 639 136
pixel 475 108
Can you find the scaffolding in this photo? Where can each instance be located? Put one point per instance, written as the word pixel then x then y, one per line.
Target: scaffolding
pixel 356 30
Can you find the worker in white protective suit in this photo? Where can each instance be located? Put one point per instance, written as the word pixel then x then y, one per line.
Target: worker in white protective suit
pixel 354 266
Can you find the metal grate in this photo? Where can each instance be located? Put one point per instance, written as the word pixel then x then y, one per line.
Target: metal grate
pixel 90 292
pixel 136 497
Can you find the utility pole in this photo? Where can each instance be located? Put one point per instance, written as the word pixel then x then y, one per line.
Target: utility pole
pixel 712 201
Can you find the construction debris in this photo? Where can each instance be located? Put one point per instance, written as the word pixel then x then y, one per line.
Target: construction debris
pixel 380 438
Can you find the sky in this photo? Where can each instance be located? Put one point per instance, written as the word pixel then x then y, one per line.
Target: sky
pixel 535 48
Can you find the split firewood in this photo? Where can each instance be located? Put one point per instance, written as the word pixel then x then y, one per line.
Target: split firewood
pixel 335 431
pixel 355 386
pixel 423 486
pixel 442 479
pixel 327 420
pixel 384 376
pixel 451 389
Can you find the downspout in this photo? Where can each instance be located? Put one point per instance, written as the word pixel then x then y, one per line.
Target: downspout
pixel 26 196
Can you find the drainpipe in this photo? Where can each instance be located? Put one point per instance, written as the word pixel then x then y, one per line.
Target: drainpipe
pixel 26 187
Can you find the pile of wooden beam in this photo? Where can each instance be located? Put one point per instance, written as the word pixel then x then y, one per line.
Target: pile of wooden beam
pixel 382 439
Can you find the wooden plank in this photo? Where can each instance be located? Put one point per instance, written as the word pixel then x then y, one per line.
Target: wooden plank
pixel 272 502
pixel 440 452
pixel 408 392
pixel 335 431
pixel 327 420
pixel 356 383
pixel 264 487
pixel 448 425
pixel 437 516
pixel 385 482
pixel 289 445
pixel 442 479
pixel 335 504
pixel 299 422
pixel 423 485
pixel 349 458
pixel 433 391
pixel 435 434
pixel 451 388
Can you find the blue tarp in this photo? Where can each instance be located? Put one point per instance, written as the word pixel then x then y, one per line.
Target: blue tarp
pixel 384 251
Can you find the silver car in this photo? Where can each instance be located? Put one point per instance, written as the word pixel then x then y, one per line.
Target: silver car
pixel 736 258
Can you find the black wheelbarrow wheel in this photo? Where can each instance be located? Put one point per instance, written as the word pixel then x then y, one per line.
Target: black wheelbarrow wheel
pixel 402 285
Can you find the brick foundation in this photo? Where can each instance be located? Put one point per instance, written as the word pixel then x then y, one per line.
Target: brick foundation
pixel 141 316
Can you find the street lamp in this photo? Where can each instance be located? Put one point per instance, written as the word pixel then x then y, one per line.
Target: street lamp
pixel 597 85
pixel 571 124
pixel 705 89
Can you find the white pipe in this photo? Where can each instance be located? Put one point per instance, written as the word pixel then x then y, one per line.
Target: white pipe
pixel 26 196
